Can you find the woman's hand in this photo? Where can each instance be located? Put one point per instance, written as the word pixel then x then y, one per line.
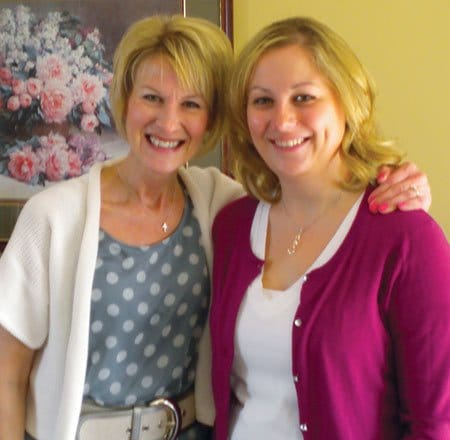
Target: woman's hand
pixel 405 188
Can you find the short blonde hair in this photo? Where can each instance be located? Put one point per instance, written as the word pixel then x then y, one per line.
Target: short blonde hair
pixel 198 51
pixel 362 149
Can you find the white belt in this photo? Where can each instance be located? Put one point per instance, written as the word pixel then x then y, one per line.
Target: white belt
pixel 162 419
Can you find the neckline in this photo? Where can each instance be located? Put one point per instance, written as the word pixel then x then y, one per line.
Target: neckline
pixel 186 209
pixel 333 247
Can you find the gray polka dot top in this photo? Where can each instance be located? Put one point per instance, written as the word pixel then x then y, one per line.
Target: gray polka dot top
pixel 148 309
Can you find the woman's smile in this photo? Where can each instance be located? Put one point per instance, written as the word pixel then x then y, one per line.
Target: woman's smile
pixel 158 142
pixel 294 117
pixel 165 122
pixel 289 144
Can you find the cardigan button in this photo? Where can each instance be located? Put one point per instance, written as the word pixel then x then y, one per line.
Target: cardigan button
pixel 303 427
pixel 296 378
pixel 298 322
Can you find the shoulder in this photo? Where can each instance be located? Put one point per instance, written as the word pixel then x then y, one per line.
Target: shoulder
pixel 209 188
pixel 67 199
pixel 240 209
pixel 399 222
pixel 72 190
pixel 208 176
pixel 236 216
pixel 412 230
pixel 61 196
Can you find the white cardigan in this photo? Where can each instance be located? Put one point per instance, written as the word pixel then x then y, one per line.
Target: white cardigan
pixel 46 274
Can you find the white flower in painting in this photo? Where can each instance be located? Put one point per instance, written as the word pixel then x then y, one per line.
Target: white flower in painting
pixel 7 21
pixel 28 66
pixel 85 63
pixel 94 36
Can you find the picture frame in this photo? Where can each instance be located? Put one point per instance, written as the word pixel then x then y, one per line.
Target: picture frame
pixel 106 21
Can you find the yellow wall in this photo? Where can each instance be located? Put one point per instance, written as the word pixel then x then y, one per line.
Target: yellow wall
pixel 405 44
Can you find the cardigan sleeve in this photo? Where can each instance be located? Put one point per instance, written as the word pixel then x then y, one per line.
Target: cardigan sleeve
pixel 43 248
pixel 419 314
pixel 24 276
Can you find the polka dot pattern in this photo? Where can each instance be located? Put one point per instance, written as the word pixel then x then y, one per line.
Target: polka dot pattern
pixel 148 310
pixel 128 293
pixel 128 263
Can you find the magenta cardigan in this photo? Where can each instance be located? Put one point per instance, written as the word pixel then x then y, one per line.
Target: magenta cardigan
pixel 371 355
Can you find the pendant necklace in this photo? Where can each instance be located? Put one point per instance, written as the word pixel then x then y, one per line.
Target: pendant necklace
pixel 164 224
pixel 292 248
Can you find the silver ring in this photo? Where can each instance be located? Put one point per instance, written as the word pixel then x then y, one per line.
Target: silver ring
pixel 416 191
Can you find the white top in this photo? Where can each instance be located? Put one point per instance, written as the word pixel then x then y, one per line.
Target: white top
pixel 266 405
pixel 46 275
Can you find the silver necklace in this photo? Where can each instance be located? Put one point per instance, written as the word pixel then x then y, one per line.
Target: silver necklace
pixel 164 224
pixel 292 248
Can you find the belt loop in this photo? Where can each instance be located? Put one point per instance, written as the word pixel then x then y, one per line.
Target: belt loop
pixel 136 424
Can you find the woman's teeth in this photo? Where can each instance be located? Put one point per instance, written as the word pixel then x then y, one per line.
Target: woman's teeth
pixel 289 144
pixel 163 144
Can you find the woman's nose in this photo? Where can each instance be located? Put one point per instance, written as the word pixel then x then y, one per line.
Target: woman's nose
pixel 168 117
pixel 284 117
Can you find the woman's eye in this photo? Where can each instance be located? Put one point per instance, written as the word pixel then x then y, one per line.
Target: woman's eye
pixel 304 98
pixel 261 100
pixel 191 104
pixel 151 97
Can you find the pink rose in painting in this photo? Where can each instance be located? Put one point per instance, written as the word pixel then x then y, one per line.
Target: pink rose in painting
pixel 18 86
pixel 88 87
pixel 56 102
pixel 23 165
pixel 75 164
pixel 5 75
pixel 13 103
pixel 25 100
pixel 89 106
pixel 56 164
pixel 34 87
pixel 89 123
pixel 54 156
pixel 52 68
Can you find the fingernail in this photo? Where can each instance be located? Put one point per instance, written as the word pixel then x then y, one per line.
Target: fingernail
pixel 373 207
pixel 402 204
pixel 383 207
pixel 381 176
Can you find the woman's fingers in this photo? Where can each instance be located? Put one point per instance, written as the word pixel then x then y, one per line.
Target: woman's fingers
pixel 405 188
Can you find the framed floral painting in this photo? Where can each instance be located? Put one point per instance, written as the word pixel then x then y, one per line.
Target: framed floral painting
pixel 55 71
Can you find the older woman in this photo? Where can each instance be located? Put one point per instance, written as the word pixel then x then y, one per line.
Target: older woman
pixel 327 322
pixel 105 285
pixel 105 281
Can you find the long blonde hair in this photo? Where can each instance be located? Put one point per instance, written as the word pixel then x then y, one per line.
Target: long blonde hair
pixel 362 149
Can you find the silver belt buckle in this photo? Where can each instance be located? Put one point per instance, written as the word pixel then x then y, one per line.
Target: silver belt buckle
pixel 173 417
